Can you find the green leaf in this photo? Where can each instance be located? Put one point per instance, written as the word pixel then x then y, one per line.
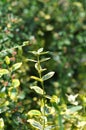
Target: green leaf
pixel 7 60
pixel 25 43
pixel 16 66
pixel 31 60
pixel 48 76
pixel 3 72
pixel 35 124
pixel 36 78
pixel 43 53
pixel 50 127
pixel 34 113
pixel 40 50
pixel 74 109
pixel 3 109
pixel 37 89
pixel 13 92
pixel 37 67
pixel 44 59
pixel 15 83
pixel 1 124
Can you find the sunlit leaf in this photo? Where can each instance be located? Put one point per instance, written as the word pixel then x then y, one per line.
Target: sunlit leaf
pixel 40 50
pixel 73 109
pixel 37 89
pixel 15 83
pixel 50 127
pixel 44 59
pixel 3 72
pixel 3 109
pixel 36 78
pixel 35 124
pixel 48 76
pixel 31 60
pixel 1 124
pixel 16 66
pixel 34 113
pixel 7 60
pixel 13 93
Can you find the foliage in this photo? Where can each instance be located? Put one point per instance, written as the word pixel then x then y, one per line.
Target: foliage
pixel 28 100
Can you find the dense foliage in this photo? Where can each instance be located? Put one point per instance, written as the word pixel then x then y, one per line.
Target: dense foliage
pixel 43 64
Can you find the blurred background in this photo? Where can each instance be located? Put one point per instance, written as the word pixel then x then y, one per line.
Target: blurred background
pixel 59 26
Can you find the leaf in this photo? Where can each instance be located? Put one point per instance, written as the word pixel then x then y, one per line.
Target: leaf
pixel 13 93
pixel 3 72
pixel 7 60
pixel 49 27
pixel 34 113
pixel 37 67
pixel 43 53
pixel 74 109
pixel 40 50
pixel 50 127
pixel 37 89
pixel 16 66
pixel 48 76
pixel 36 78
pixel 35 124
pixel 31 60
pixel 15 83
pixel 1 124
pixel 3 109
pixel 25 43
pixel 44 59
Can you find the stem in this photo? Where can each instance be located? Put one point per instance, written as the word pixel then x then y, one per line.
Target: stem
pixel 42 84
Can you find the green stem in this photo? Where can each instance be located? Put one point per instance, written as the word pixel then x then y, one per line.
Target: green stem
pixel 42 84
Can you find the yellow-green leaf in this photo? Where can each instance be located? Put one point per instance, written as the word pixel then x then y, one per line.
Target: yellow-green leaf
pixel 16 66
pixel 35 124
pixel 34 113
pixel 1 123
pixel 37 89
pixel 48 76
pixel 15 83
pixel 7 60
pixel 3 72
pixel 36 78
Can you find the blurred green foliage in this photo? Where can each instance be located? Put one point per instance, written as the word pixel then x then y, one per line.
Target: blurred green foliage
pixel 59 26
